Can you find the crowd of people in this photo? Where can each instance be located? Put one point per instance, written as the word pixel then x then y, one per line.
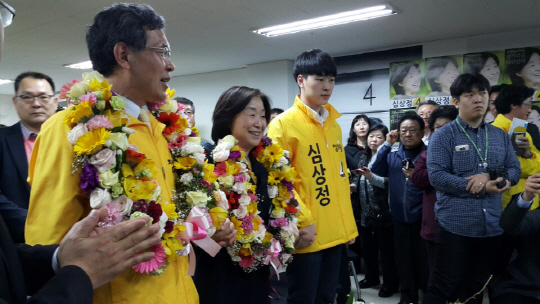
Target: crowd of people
pixel 443 206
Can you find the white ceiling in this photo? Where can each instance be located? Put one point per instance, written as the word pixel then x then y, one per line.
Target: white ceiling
pixel 211 35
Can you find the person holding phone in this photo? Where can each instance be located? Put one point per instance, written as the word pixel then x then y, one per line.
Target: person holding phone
pixel 405 201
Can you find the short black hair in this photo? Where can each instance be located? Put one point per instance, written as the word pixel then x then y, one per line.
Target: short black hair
pixel 476 65
pixel 515 66
pixel 35 75
pixel 231 103
pixel 379 127
pixel 185 101
pixel 535 108
pixel 427 102
pixel 466 82
pixel 447 111
pixel 276 111
pixel 121 22
pixel 496 88
pixel 512 95
pixel 435 70
pixel 412 116
pixel 314 62
pixel 352 136
pixel 399 72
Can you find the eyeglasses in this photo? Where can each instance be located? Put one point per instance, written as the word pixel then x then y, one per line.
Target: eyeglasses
pixel 29 99
pixel 165 52
pixel 412 131
pixel 189 113
pixel 7 13
pixel 528 104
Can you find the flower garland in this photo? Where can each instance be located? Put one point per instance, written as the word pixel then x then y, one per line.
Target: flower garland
pixel 196 195
pixel 114 173
pixel 255 245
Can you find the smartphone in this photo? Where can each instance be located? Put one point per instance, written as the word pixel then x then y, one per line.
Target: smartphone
pixel 407 163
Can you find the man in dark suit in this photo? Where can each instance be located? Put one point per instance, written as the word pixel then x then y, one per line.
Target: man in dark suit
pixel 35 102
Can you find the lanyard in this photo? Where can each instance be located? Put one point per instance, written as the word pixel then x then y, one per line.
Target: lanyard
pixel 484 160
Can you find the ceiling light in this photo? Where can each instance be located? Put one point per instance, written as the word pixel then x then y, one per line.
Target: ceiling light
pixel 5 81
pixel 325 21
pixel 85 65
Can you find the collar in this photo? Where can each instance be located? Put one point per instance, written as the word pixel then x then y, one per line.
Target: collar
pixel 466 125
pixel 132 108
pixel 502 122
pixel 25 132
pixel 328 111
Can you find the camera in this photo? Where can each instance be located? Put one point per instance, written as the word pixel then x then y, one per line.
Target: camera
pixel 407 163
pixel 497 172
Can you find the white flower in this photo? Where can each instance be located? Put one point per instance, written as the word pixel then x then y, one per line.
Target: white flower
pixel 88 76
pixel 282 161
pixel 108 179
pixel 272 191
pixel 196 198
pixel 222 202
pixel 79 89
pixel 99 198
pixel 156 193
pixel 200 158
pixel 78 131
pixel 244 200
pixel 119 140
pixel 241 212
pixel 226 181
pixel 278 213
pixel 290 230
pixel 128 130
pixel 186 178
pixel 124 204
pixel 162 221
pixel 238 188
pixel 220 155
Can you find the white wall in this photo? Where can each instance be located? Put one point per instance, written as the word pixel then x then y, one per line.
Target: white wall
pixel 8 115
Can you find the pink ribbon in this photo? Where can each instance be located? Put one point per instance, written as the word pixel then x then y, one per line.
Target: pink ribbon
pixel 272 256
pixel 197 223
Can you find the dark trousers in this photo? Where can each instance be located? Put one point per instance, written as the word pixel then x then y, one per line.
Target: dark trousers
pixel 509 298
pixel 313 277
pixel 430 246
pixel 461 267
pixel 344 280
pixel 411 260
pixel 375 240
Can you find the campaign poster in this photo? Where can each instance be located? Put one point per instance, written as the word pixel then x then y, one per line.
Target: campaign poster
pixel 440 74
pixel 396 114
pixel 523 68
pixel 489 64
pixel 406 86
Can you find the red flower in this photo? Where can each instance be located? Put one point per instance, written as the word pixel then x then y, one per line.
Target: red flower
pixel 291 209
pixel 233 201
pixel 170 121
pixel 133 157
pixel 258 149
pixel 154 211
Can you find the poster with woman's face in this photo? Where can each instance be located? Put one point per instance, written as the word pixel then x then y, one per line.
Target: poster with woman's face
pixel 406 86
pixel 489 64
pixel 523 67
pixel 440 74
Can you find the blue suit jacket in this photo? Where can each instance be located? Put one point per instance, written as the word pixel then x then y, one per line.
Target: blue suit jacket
pixel 14 190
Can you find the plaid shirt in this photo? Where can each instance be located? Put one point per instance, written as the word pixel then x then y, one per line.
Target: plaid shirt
pixel 457 210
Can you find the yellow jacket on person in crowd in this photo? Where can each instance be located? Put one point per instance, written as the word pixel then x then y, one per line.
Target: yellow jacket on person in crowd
pixel 317 153
pixel 529 166
pixel 57 202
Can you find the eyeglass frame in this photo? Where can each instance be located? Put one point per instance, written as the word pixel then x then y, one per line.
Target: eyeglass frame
pixel 9 9
pixel 165 51
pixel 39 98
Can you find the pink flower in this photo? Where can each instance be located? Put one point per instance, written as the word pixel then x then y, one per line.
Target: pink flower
pixel 279 222
pixel 253 197
pixel 247 224
pixel 89 97
pixel 114 217
pixel 240 178
pixel 154 106
pixel 103 160
pixel 246 261
pixel 155 263
pixel 99 121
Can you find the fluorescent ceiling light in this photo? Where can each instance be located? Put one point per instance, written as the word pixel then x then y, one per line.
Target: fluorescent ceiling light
pixel 5 81
pixel 325 21
pixel 85 65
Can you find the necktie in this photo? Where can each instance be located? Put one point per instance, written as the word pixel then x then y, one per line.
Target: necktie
pixel 144 116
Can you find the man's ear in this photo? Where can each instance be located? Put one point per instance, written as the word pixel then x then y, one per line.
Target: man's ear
pixel 121 54
pixel 300 81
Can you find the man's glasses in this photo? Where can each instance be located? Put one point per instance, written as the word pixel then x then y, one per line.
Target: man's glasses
pixel 412 131
pixel 165 52
pixel 7 13
pixel 29 99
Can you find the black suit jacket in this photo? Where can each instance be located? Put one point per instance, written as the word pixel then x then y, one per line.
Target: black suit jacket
pixel 14 190
pixel 522 275
pixel 27 270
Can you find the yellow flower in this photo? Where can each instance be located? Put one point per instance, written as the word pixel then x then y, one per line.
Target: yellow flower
pixel 137 189
pixel 195 130
pixel 145 168
pixel 170 211
pixel 267 238
pixel 237 226
pixel 115 118
pixel 208 170
pixel 103 87
pixel 171 243
pixel 233 168
pixel 218 215
pixel 170 93
pixel 256 223
pixel 184 163
pixel 275 177
pixel 253 188
pixel 283 191
pixel 279 202
pixel 91 142
pixel 245 250
pixel 84 109
pixel 271 155
pixel 252 208
pixel 289 173
pixel 127 171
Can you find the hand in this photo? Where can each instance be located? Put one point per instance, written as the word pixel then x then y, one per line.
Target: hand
pixel 408 172
pixel 367 174
pixel 532 187
pixel 491 186
pixel 350 242
pixel 523 143
pixel 477 182
pixel 306 237
pixel 392 137
pixel 352 187
pixel 111 251
pixel 226 235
